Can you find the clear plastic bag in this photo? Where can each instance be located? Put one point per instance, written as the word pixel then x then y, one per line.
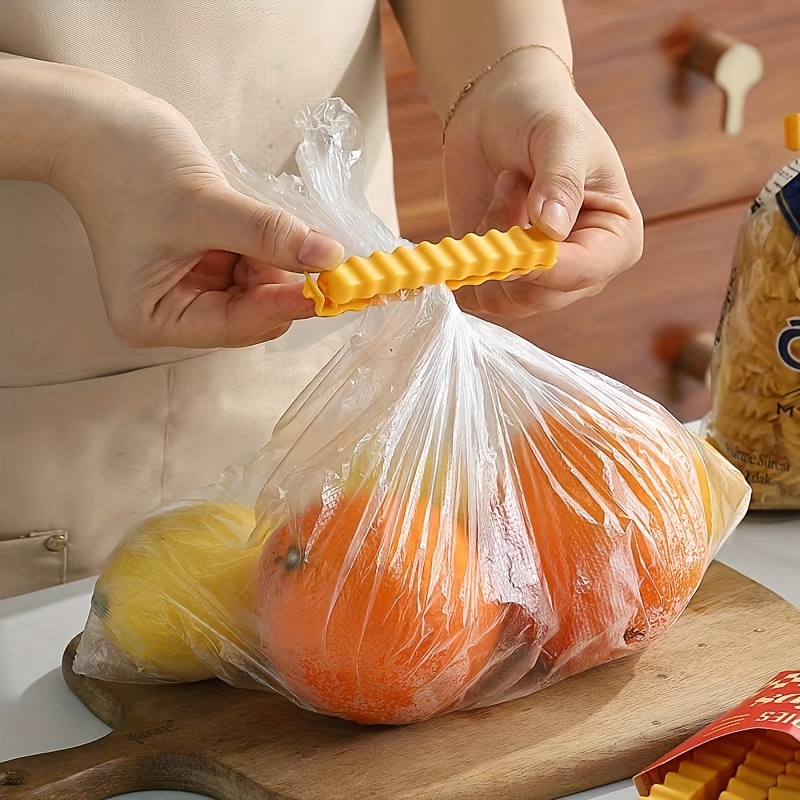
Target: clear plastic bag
pixel 446 518
pixel 755 367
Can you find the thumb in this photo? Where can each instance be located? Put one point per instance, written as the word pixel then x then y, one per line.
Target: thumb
pixel 559 158
pixel 242 225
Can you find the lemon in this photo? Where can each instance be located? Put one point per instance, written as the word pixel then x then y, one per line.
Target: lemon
pixel 177 595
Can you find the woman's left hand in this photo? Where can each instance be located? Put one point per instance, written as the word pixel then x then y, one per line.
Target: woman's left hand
pixel 523 148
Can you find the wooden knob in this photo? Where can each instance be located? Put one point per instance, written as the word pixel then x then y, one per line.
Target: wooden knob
pixel 685 350
pixel 733 65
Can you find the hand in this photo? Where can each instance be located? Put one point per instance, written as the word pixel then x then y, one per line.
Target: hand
pixel 182 258
pixel 523 148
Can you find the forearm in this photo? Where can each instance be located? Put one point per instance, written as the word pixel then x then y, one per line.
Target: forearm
pixel 451 41
pixel 50 116
pixel 36 102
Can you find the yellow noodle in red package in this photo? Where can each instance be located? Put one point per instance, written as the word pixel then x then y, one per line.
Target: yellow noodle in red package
pixel 750 753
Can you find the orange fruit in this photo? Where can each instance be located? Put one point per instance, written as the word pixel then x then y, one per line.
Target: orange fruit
pixel 620 521
pixel 375 616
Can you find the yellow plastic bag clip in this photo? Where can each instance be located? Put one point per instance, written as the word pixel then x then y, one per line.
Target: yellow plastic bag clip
pixel 359 282
pixel 791 130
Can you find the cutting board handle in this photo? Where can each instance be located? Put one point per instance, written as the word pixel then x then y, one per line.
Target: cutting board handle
pixel 122 762
pixel 115 764
pixel 93 771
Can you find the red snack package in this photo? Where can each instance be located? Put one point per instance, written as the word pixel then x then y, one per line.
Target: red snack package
pixel 753 749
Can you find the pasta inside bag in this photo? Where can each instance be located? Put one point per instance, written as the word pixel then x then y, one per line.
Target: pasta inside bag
pixel 755 368
pixel 446 518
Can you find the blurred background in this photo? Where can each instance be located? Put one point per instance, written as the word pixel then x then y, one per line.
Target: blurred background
pixel 657 76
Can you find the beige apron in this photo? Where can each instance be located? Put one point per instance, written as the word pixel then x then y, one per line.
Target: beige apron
pixel 92 432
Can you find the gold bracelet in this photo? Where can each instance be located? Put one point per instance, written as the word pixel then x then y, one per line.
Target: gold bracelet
pixel 472 81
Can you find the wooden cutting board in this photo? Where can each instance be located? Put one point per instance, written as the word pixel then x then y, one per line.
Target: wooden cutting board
pixel 590 730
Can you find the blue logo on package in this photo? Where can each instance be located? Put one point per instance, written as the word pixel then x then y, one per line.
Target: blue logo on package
pixel 789 203
pixel 786 339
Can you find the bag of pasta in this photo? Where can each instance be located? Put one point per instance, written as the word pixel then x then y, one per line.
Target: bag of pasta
pixel 446 518
pixel 755 368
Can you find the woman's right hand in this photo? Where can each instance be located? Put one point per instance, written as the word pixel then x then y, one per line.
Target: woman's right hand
pixel 182 258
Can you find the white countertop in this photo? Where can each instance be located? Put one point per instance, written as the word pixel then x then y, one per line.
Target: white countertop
pixel 39 713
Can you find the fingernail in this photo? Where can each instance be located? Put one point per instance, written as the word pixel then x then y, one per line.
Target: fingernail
pixel 556 217
pixel 320 251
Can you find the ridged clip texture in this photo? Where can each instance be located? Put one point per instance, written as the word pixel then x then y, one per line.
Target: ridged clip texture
pixel 361 282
